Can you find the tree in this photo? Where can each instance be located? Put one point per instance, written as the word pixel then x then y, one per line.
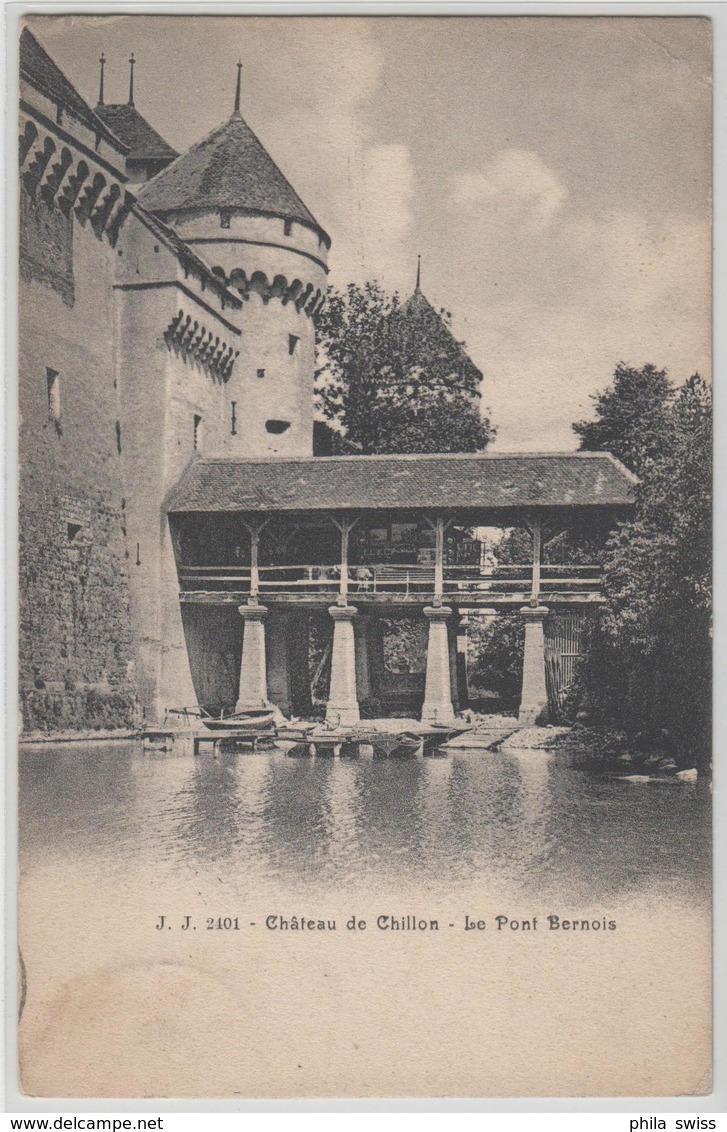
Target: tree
pixel 632 417
pixel 648 663
pixel 497 655
pixel 392 377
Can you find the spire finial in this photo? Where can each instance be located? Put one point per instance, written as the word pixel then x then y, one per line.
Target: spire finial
pixel 237 88
pixel 102 61
pixel 419 274
pixel 132 61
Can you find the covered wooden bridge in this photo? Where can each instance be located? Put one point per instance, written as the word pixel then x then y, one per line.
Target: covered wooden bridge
pixel 372 537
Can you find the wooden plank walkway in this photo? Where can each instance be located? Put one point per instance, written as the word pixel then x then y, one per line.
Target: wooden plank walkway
pixel 486 731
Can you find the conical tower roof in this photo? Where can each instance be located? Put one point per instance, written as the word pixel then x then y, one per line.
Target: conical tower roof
pixel 232 169
pixel 426 325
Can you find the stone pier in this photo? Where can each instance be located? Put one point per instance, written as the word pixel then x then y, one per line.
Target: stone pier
pixel 342 697
pixel 253 668
pixel 534 699
pixel 438 706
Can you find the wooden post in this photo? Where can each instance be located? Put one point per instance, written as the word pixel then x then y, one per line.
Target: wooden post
pixel 255 529
pixel 439 527
pixel 343 591
pixel 345 526
pixel 536 529
pixel 254 567
pixel 439 561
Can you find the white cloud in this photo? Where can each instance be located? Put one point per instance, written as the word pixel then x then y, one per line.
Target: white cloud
pixel 553 314
pixel 386 207
pixel 514 179
pixel 360 191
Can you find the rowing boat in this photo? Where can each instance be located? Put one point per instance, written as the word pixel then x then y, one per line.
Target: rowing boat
pixel 241 722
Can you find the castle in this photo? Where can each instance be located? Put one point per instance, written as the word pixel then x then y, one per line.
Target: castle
pixel 169 491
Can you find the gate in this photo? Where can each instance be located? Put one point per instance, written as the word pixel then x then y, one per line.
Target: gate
pixel 563 646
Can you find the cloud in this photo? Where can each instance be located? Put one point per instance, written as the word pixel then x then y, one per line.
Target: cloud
pixel 385 208
pixel 361 191
pixel 551 316
pixel 515 179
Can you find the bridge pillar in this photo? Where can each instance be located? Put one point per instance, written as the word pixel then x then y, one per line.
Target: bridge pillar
pixel 534 699
pixel 253 675
pixel 342 706
pixel 438 706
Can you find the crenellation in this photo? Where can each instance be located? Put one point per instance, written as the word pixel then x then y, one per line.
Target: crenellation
pixel 191 340
pixel 37 167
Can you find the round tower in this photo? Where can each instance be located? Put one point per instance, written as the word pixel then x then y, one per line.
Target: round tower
pixel 228 199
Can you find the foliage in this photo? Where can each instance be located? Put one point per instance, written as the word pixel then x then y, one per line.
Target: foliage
pixel 497 650
pixel 582 543
pixel 393 379
pixel 632 417
pixel 405 644
pixel 648 661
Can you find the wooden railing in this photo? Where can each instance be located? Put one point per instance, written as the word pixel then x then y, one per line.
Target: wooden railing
pixel 503 579
pixel 410 580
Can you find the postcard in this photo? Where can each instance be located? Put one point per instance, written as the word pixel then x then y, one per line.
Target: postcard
pixel 365 556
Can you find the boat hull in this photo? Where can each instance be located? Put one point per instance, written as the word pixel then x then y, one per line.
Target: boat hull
pixel 235 725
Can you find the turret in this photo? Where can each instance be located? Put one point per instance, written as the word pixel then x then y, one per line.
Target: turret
pixel 228 199
pixel 148 153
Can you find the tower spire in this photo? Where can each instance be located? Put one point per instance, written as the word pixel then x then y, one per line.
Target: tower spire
pixel 419 274
pixel 132 61
pixel 236 111
pixel 102 61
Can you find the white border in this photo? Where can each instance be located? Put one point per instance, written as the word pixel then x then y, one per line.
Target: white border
pixel 716 1102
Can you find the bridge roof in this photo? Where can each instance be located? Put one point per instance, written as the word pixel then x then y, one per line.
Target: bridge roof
pixel 478 483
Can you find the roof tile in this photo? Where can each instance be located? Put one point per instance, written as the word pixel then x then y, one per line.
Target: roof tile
pixel 142 139
pixel 476 482
pixel 230 168
pixel 37 68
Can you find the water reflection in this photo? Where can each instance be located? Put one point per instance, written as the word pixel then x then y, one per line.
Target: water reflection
pixel 523 819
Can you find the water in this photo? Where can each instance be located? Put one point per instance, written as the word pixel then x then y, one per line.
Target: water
pixel 527 821
pixel 112 838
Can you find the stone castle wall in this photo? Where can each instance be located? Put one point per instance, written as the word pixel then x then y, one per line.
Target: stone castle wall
pixel 279 271
pixel 134 360
pixel 76 669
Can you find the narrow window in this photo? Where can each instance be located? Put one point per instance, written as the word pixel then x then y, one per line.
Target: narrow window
pixel 54 397
pixel 118 437
pixel 197 430
pixel 233 418
pixel 293 341
pixel 261 373
pixel 224 218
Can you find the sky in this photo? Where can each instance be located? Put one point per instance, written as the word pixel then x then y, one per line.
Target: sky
pixel 553 173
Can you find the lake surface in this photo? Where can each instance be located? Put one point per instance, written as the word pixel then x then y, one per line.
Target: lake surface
pixel 526 821
pixel 113 838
